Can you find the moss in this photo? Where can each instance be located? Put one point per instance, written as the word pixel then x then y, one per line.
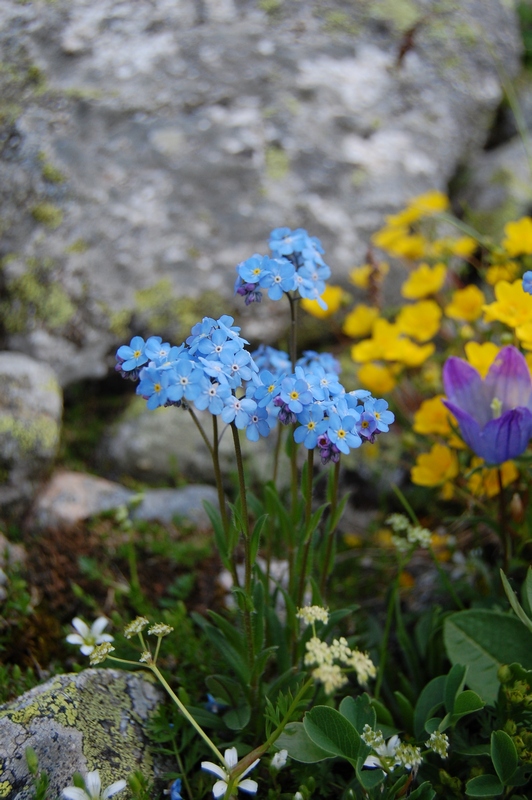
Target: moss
pixel 119 322
pixel 160 310
pixel 79 246
pixel 402 14
pixel 277 163
pixel 270 6
pixel 341 22
pixel 35 295
pixel 5 788
pixel 49 172
pixel 47 214
pixel 40 433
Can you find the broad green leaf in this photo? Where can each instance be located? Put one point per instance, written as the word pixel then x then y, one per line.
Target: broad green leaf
pixel 472 750
pixel 466 703
pixel 383 715
pixel 514 602
pixel 300 746
pixel 521 775
pixel 358 712
pixel 504 756
pixel 407 711
pixel 370 778
pixel 484 640
pixel 430 700
pixel 435 724
pixel 332 732
pixel 225 689
pixel 237 718
pixel 423 792
pixel 454 684
pixel 484 786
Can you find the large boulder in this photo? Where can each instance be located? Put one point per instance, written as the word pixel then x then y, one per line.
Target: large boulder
pixel 31 403
pixel 78 723
pixel 149 146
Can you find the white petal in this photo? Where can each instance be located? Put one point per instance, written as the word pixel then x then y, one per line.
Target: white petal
pixel 208 766
pixel 248 785
pixel 115 787
pixel 104 637
pixel 86 649
pixel 93 784
pixel 75 638
pixel 372 761
pixel 250 768
pixel 231 757
pixel 219 788
pixel 81 627
pixel 98 626
pixel 73 793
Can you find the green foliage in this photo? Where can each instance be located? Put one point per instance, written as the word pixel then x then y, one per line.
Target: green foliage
pixel 47 214
pixel 35 296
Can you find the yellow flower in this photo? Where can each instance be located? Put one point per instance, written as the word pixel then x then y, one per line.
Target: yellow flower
pixel 513 306
pixel 466 304
pixel 485 482
pixel 433 417
pixel 423 281
pixel 359 321
pixel 502 272
pixel 421 320
pixel 436 467
pixel 428 203
pixel 377 378
pixel 408 353
pixel 524 334
pixel 400 242
pixel 373 349
pixel 481 356
pixel 333 296
pixel 359 276
pixel 518 237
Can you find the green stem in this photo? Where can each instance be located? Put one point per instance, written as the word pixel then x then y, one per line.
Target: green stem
pixel 386 635
pixel 247 544
pixel 330 534
pixel 504 532
pixel 308 532
pixel 160 677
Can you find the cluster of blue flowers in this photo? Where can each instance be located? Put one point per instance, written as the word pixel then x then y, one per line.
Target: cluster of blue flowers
pixel 213 371
pixel 296 265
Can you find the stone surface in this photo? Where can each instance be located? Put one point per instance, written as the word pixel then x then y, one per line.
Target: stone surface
pixel 30 418
pixel 78 723
pixel 165 443
pixel 71 497
pixel 149 146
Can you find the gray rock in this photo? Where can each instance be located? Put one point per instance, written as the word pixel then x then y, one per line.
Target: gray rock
pixel 78 723
pixel 71 497
pixel 165 443
pixel 148 147
pixel 30 418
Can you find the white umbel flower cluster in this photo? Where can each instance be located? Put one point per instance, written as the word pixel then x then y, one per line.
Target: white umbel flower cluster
pixel 312 614
pixel 438 743
pixel 323 656
pixel 416 536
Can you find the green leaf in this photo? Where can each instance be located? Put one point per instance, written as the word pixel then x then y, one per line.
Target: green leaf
pixel 484 786
pixel 332 732
pixel 435 724
pixel 383 715
pixel 300 746
pixel 504 756
pixel 257 619
pixel 528 588
pixel 521 775
pixel 430 700
pixel 406 710
pixel 370 778
pixel 454 684
pixel 484 640
pixel 358 712
pixel 237 718
pixel 255 537
pixel 423 792
pixel 225 689
pixel 514 602
pixel 466 703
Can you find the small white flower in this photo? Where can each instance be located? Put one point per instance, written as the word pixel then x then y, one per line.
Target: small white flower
pixel 160 629
pixel 137 626
pixel 409 756
pixel 439 743
pixel 93 789
pixel 386 755
pixel 398 522
pixel 420 536
pixel 310 614
pixel 87 637
pixel 223 775
pixel 279 760
pixel 100 653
